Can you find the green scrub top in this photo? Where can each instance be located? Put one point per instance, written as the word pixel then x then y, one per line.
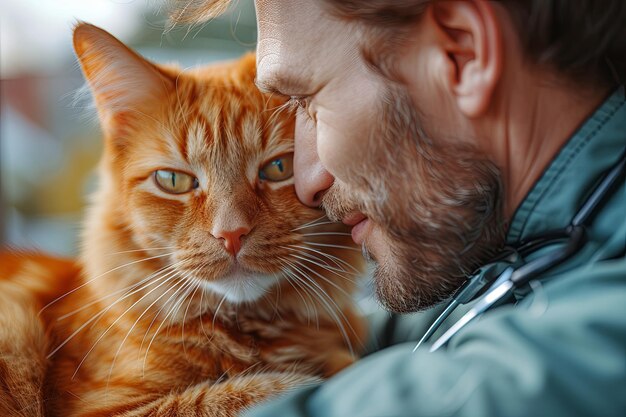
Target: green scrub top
pixel 559 351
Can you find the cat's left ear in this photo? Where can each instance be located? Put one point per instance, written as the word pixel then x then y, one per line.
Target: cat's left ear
pixel 120 79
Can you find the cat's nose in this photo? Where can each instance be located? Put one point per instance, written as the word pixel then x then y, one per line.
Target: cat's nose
pixel 231 238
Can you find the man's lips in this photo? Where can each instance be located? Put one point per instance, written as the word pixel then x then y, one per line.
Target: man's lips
pixel 359 222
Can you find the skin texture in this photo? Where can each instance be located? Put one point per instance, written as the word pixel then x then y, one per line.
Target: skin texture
pixel 474 122
pixel 193 304
pixel 425 133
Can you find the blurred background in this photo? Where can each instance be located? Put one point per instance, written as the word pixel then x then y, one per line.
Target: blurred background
pixel 49 145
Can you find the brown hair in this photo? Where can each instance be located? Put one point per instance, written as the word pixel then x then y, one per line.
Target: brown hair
pixel 584 40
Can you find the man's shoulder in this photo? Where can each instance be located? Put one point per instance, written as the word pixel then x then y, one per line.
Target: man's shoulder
pixel 571 306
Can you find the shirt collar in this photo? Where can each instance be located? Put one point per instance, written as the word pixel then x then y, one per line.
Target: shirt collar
pixel 556 196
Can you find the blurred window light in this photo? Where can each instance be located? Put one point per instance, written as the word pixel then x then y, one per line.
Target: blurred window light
pixel 34 34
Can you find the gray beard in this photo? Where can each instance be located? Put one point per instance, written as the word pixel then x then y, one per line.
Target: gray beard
pixel 438 203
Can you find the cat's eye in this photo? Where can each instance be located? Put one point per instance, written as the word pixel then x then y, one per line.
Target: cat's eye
pixel 278 169
pixel 175 182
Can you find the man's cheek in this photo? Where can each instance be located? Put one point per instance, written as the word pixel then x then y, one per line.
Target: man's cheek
pixel 342 148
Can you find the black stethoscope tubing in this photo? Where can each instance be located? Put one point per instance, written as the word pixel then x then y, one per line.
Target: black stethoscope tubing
pixel 502 287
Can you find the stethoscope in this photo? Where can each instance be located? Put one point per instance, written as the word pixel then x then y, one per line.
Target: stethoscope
pixel 497 281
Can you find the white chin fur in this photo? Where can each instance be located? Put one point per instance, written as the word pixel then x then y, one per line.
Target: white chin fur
pixel 242 287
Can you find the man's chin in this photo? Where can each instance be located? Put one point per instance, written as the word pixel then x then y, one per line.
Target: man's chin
pixel 405 286
pixel 393 293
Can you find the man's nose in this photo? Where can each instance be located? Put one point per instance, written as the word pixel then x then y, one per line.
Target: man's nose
pixel 231 238
pixel 310 177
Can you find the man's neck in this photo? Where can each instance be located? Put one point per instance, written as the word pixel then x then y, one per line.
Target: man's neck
pixel 529 125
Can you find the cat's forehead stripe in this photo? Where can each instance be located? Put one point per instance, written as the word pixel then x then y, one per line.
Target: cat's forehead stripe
pixel 196 141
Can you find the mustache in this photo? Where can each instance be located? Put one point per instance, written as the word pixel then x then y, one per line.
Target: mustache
pixel 339 201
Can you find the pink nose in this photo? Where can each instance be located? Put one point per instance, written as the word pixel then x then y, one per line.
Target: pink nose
pixel 232 239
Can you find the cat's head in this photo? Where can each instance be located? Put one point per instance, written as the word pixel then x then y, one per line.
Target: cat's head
pixel 197 177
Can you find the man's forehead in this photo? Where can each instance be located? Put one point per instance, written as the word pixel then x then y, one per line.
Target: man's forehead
pixel 299 44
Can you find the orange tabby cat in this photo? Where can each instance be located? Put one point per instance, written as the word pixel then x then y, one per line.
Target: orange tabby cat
pixel 203 285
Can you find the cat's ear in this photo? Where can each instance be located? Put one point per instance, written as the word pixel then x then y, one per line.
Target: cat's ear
pixel 119 78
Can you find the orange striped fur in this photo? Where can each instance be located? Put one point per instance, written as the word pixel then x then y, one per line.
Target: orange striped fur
pixel 134 327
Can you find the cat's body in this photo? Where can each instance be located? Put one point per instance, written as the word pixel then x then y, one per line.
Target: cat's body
pixel 198 293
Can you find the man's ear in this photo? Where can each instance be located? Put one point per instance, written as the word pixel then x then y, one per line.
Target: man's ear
pixel 471 39
pixel 119 78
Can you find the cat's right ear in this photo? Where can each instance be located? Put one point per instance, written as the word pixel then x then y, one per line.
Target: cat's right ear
pixel 119 78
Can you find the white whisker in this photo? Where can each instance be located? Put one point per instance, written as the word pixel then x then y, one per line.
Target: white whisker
pixel 314 220
pixel 287 274
pixel 326 302
pixel 100 276
pixel 322 263
pixel 197 286
pixel 128 334
pixel 218 309
pixel 128 289
pixel 341 273
pixel 317 274
pixel 140 250
pixel 95 317
pixel 307 226
pixel 327 234
pixel 117 320
pixel 335 259
pixel 185 284
pixel 329 245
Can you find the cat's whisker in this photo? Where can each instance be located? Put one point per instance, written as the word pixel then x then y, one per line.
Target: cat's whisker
pixel 337 260
pixel 131 329
pixel 330 245
pixel 157 314
pixel 181 287
pixel 209 338
pixel 291 280
pixel 139 250
pixel 317 274
pixel 323 292
pixel 162 276
pixel 321 264
pixel 218 309
pixel 285 273
pixel 70 337
pixel 311 225
pixel 306 280
pixel 129 291
pixel 197 286
pixel 321 218
pixel 190 287
pixel 326 234
pixel 177 285
pixel 117 320
pixel 302 250
pixel 171 270
pixel 296 265
pixel 100 276
pixel 278 295
pixel 203 290
pixel 91 320
pixel 327 302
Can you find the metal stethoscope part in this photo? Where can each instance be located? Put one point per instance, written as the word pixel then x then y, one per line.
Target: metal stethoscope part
pixel 503 277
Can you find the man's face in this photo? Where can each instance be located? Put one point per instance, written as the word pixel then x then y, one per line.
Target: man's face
pixel 424 207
